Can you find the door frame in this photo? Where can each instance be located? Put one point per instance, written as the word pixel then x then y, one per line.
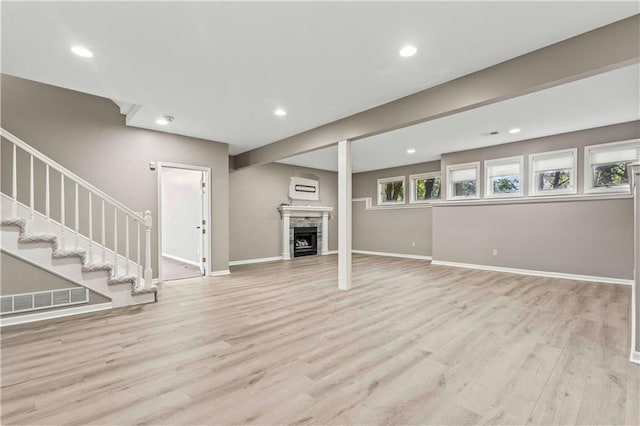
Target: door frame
pixel 207 200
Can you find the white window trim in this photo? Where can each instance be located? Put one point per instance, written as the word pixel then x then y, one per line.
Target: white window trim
pixel 454 167
pixel 412 180
pixel 588 180
pixel 574 174
pixel 488 188
pixel 392 179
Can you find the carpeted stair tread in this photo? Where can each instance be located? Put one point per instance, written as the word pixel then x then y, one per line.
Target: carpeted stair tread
pixel 123 279
pixel 39 238
pixel 93 267
pixel 14 221
pixel 152 289
pixel 60 254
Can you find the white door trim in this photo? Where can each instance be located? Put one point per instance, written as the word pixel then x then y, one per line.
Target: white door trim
pixel 207 179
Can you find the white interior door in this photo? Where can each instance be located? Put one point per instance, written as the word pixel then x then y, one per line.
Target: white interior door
pixel 183 214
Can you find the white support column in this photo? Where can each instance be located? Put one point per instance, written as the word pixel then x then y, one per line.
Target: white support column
pixel 325 233
pixel 286 250
pixel 344 215
pixel 635 290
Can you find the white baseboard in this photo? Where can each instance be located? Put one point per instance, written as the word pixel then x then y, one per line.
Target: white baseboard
pixel 607 280
pixel 218 273
pixel 59 313
pixel 250 261
pixel 635 357
pixel 329 252
pixel 380 253
pixel 179 259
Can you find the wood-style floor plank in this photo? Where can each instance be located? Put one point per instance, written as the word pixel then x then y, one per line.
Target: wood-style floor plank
pixel 277 343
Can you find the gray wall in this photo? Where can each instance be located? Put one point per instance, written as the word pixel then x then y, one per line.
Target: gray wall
pixel 254 195
pixel 18 277
pixel 578 237
pixel 586 237
pixel 88 136
pixel 391 230
pixel 579 139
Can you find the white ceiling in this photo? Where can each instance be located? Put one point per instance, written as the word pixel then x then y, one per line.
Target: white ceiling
pixel 221 68
pixel 609 98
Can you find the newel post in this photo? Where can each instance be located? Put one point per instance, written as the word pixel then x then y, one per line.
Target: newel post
pixel 148 273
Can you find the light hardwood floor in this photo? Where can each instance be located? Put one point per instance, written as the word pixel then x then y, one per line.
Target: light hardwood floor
pixel 279 344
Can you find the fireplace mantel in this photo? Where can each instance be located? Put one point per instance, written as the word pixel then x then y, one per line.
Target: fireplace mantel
pixel 287 212
pixel 304 211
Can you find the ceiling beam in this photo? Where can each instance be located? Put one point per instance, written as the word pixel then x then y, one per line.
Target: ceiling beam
pixel 601 50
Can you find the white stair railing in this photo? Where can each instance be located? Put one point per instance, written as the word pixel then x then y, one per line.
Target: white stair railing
pixel 142 221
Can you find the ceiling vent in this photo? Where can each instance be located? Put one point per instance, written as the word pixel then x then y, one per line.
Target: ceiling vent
pixel 492 133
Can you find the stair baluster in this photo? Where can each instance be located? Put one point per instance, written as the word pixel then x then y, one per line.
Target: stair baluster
pixel 47 201
pixel 14 185
pixel 31 195
pixel 62 215
pixel 90 228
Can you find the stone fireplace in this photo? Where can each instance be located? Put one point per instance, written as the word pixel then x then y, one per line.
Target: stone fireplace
pixel 294 217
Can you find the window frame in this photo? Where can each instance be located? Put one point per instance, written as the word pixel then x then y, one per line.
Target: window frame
pixel 392 179
pixel 533 192
pixel 488 187
pixel 589 188
pixel 450 184
pixel 412 184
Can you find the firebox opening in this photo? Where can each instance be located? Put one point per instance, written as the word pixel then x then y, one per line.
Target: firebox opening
pixel 305 241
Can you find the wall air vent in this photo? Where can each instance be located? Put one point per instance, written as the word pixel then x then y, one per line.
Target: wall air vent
pixel 26 302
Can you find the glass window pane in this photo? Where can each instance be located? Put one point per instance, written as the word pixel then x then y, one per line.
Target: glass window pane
pixel 427 189
pixel 553 180
pixel 391 192
pixel 464 189
pixel 505 184
pixel 610 175
pixel 435 189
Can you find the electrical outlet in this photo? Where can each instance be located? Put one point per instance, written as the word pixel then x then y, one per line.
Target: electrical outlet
pixel 413 244
pixel 494 252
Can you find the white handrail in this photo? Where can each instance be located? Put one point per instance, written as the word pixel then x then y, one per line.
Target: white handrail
pixel 18 142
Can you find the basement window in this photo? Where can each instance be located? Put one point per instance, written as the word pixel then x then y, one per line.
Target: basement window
pixel 606 166
pixel 463 181
pixel 503 177
pixel 425 187
pixel 391 190
pixel 553 173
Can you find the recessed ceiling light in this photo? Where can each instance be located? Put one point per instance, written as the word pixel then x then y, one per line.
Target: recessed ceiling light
pixel 411 151
pixel 280 112
pixel 407 51
pixel 515 130
pixel 82 51
pixel 163 121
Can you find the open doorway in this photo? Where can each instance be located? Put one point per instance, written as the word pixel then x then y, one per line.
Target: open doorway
pixel 183 219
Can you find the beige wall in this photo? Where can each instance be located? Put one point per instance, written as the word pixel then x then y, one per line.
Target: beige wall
pixel 17 276
pixel 578 237
pixel 399 230
pixel 254 195
pixel 88 135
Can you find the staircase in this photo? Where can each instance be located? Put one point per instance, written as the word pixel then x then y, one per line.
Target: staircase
pixel 64 225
